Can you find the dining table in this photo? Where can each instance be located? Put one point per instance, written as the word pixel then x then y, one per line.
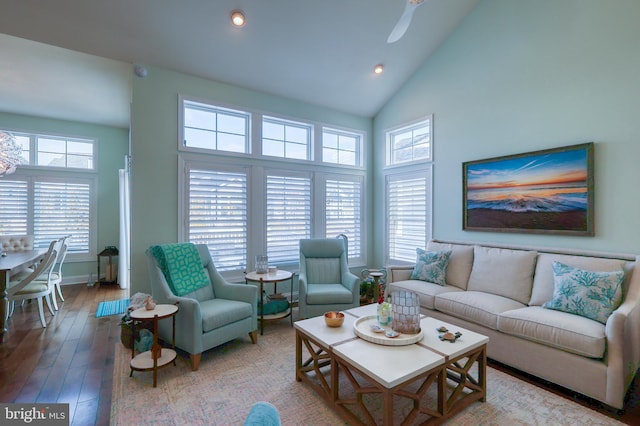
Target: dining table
pixel 11 263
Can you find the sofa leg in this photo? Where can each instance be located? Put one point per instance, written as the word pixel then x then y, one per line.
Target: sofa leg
pixel 254 336
pixel 195 361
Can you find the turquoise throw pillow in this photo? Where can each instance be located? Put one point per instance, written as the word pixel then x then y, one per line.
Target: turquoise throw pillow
pixel 593 295
pixel 431 266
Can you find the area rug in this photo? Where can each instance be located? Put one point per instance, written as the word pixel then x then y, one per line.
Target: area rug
pixel 235 375
pixel 112 307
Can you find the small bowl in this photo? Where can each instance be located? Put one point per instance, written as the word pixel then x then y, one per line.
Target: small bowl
pixel 334 319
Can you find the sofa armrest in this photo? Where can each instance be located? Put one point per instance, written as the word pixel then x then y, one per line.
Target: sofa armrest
pixel 623 338
pixel 399 273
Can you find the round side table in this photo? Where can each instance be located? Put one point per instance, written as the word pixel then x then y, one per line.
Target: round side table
pixel 275 278
pixel 158 356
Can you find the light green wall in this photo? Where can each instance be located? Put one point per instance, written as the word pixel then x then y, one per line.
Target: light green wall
pixel 154 134
pixel 521 75
pixel 113 145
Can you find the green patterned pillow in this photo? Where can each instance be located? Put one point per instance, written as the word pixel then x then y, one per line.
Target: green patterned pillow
pixel 431 266
pixel 593 295
pixel 182 267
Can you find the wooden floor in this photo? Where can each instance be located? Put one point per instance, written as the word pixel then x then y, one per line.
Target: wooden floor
pixel 71 361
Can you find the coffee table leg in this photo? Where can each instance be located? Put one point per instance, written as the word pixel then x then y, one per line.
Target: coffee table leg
pixel 298 357
pixel 482 373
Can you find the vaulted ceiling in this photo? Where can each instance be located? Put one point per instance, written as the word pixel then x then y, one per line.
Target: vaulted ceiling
pixel 321 52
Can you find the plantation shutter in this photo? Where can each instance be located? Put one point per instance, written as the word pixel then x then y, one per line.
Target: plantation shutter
pixel 14 212
pixel 218 215
pixel 408 213
pixel 343 208
pixel 288 216
pixel 62 208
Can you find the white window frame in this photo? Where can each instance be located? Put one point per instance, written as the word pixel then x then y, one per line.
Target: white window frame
pixel 356 252
pixel 359 136
pixel 33 172
pixel 423 172
pixel 31 176
pixel 415 169
pixel 294 175
pixel 34 150
pixel 186 168
pixel 256 204
pixel 259 165
pixel 308 145
pixel 214 108
pixel 408 127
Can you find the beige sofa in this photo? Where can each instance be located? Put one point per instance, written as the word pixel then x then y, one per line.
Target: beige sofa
pixel 499 291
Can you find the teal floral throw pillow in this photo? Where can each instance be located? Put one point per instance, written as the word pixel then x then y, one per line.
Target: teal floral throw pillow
pixel 431 266
pixel 589 294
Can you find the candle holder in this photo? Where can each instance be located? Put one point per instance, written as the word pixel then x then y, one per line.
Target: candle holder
pixel 405 306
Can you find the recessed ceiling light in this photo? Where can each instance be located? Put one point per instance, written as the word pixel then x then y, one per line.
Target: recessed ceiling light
pixel 237 18
pixel 378 69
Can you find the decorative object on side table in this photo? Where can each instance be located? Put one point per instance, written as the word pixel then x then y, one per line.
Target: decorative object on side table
pixel 262 264
pixel 372 285
pixel 150 304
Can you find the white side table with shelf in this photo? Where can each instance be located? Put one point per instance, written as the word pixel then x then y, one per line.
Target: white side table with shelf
pixel 158 356
pixel 274 278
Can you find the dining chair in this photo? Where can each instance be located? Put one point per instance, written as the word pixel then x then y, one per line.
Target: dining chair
pixel 56 273
pixel 29 287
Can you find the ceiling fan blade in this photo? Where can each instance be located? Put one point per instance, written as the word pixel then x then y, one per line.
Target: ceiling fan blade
pixel 404 21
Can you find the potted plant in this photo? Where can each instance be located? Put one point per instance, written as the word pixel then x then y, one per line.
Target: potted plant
pixel 366 291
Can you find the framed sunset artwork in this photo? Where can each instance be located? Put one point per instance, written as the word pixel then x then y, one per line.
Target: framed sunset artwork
pixel 548 191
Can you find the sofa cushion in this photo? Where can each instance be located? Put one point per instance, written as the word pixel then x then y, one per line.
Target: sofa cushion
pixel 503 272
pixel 431 266
pixel 460 262
pixel 589 294
pixel 426 291
pixel 325 294
pixel 481 308
pixel 543 280
pixel 557 329
pixel 220 312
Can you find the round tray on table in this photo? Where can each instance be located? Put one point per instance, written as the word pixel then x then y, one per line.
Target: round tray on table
pixel 362 328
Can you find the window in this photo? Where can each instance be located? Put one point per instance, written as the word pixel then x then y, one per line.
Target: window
pixel 340 147
pixel 270 189
pixel 288 200
pixel 53 193
pixel 410 143
pixel 49 208
pixel 286 139
pixel 215 128
pixel 408 214
pixel 63 152
pixel 56 151
pixel 14 214
pixel 218 214
pixel 343 212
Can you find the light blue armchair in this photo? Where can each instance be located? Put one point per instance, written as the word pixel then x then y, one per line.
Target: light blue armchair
pixel 209 316
pixel 326 284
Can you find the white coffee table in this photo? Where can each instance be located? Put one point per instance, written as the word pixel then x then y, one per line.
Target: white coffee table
pixel 390 371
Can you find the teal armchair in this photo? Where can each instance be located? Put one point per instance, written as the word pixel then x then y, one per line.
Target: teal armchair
pixel 326 284
pixel 208 316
